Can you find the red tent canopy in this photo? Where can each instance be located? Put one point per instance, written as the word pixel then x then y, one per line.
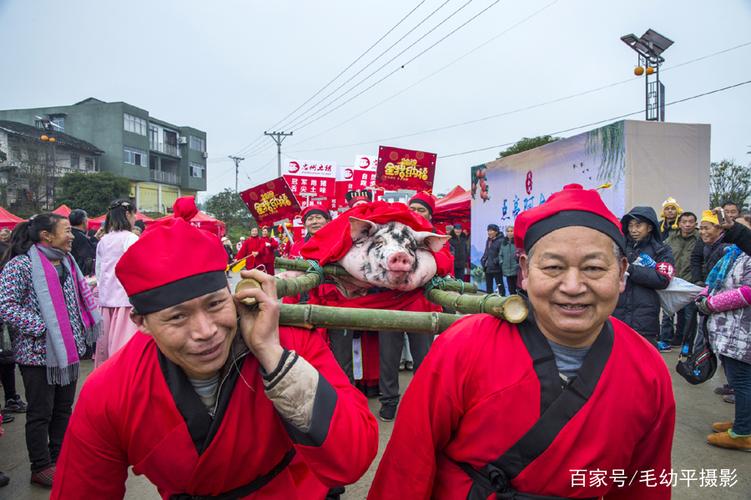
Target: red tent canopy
pixel 63 210
pixel 206 222
pixel 96 222
pixel 453 208
pixel 8 220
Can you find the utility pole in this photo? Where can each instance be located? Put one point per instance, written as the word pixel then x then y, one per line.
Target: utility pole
pixel 278 138
pixel 237 160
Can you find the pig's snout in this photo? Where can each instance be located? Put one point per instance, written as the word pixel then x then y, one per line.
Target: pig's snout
pixel 400 262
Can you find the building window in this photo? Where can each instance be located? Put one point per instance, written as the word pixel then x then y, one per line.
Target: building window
pixel 197 170
pixel 153 135
pixel 134 124
pixel 75 161
pixel 197 144
pixel 90 166
pixel 134 157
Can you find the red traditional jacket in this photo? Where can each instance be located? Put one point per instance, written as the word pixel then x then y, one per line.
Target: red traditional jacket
pixel 477 393
pixel 139 409
pixel 250 245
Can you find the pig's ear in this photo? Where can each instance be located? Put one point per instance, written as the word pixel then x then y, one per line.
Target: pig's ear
pixel 360 228
pixel 433 241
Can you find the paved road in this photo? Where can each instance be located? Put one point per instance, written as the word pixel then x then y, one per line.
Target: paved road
pixel 697 408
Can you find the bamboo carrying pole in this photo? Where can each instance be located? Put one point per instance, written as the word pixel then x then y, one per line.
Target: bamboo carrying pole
pixel 512 308
pixel 309 315
pixel 338 271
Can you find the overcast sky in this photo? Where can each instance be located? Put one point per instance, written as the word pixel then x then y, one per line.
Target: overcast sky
pixel 236 68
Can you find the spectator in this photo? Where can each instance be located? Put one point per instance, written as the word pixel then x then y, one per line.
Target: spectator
pixel 4 235
pixel 84 246
pixel 732 210
pixel 726 305
pixel 239 243
pixel 268 251
pixel 459 245
pixel 681 243
pixel 228 248
pixel 490 263
pixel 638 305
pixel 250 250
pixel 117 327
pixel 671 210
pixel 139 227
pixel 509 259
pixel 739 234
pixel 49 309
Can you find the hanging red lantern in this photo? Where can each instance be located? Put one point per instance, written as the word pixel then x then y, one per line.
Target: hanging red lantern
pixel 650 70
pixel 638 71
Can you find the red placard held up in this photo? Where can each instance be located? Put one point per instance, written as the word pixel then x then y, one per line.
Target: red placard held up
pixel 405 169
pixel 271 202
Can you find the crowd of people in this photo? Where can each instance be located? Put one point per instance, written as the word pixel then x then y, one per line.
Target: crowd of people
pixel 177 376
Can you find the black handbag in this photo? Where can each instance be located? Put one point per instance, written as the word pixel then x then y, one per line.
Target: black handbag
pixel 701 364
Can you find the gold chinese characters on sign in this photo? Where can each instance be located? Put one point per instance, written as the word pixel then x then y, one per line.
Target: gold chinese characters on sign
pixel 406 168
pixel 271 204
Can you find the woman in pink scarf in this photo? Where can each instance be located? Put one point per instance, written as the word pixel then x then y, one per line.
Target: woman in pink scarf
pixel 117 328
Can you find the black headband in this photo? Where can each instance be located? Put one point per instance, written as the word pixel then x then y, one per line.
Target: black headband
pixel 423 203
pixel 325 215
pixel 569 218
pixel 176 292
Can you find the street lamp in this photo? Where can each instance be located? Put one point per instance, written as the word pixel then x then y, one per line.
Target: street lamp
pixel 649 48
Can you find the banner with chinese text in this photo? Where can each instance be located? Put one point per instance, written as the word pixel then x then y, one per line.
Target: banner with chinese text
pixel 312 182
pixel 405 169
pixel 360 176
pixel 271 202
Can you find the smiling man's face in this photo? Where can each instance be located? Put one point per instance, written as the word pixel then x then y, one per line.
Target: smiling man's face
pixel 573 278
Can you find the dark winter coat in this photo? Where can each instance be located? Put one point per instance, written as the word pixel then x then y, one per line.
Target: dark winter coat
pixel 490 262
pixel 507 256
pixel 459 246
pixel 84 251
pixel 704 257
pixel 739 235
pixel 639 305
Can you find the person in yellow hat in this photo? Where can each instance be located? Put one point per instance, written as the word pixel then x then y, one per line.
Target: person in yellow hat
pixel 671 210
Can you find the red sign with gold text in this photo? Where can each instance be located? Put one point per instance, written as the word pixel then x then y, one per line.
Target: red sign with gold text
pixel 405 169
pixel 312 182
pixel 271 202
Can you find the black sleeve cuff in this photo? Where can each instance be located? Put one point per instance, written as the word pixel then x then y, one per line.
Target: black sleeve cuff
pixel 270 376
pixel 323 411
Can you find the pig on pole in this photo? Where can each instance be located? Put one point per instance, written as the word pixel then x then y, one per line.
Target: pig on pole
pixel 448 284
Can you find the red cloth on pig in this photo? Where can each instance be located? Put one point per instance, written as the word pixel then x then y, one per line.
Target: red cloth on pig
pixel 334 240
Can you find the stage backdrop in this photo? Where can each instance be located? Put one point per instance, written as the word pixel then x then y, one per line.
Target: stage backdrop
pixel 642 162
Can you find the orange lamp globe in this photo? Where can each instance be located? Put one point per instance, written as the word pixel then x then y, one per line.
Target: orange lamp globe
pixel 638 71
pixel 44 138
pixel 52 139
pixel 650 70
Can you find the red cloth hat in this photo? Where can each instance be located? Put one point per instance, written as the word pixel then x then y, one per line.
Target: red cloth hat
pixel 424 198
pixel 334 240
pixel 157 273
pixel 185 208
pixel 572 206
pixel 315 209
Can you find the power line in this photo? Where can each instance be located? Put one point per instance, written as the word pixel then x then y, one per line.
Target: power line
pixel 521 109
pixel 305 114
pixel 439 70
pixel 315 118
pixel 343 71
pixel 598 122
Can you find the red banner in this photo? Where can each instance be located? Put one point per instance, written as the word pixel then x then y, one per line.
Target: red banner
pixel 360 176
pixel 271 202
pixel 405 169
pixel 312 182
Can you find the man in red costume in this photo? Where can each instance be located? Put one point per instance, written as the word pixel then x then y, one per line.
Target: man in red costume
pixel 548 406
pixel 267 254
pixel 251 250
pixel 206 406
pixel 314 217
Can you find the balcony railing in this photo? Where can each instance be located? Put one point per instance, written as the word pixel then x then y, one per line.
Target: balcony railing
pixel 168 149
pixel 165 177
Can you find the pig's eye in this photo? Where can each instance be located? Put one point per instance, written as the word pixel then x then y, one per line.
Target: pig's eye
pixel 378 242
